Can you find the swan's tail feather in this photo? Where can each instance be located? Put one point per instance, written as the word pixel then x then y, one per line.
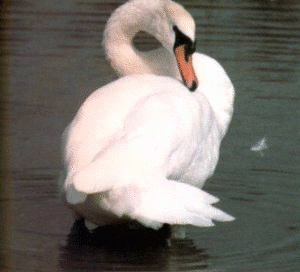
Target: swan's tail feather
pixel 178 203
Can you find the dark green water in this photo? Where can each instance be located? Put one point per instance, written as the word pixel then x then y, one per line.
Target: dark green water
pixel 56 60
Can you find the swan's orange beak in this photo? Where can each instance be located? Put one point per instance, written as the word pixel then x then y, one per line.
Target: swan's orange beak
pixel 186 69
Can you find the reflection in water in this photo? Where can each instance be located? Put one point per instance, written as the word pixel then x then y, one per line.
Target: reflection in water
pixel 122 248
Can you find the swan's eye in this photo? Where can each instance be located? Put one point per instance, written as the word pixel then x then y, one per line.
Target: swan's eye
pixel 183 50
pixel 190 49
pixel 182 39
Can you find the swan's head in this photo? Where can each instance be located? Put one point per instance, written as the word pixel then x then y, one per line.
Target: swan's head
pixel 183 29
pixel 175 28
pixel 168 22
pixel 182 19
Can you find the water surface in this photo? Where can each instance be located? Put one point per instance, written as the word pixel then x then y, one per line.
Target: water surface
pixel 57 60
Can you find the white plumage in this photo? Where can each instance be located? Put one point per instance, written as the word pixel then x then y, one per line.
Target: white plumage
pixel 142 146
pixel 260 146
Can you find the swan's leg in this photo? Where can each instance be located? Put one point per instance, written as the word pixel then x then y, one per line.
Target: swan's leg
pixel 79 222
pixel 79 234
pixel 178 232
pixel 78 218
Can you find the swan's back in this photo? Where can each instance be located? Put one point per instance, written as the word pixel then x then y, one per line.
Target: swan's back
pixel 110 113
pixel 128 143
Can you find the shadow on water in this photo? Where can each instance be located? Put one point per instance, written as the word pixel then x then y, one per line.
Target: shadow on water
pixel 123 248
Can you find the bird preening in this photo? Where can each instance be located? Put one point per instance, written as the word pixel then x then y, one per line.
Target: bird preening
pixel 141 147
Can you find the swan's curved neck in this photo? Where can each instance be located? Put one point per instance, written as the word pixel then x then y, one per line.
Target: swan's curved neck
pixel 120 30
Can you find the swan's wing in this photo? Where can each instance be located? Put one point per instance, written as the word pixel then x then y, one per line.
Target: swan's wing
pixel 143 149
pixel 178 203
pixel 157 120
pixel 101 118
pixel 99 121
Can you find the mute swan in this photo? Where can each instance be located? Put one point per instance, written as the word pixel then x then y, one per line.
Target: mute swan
pixel 141 147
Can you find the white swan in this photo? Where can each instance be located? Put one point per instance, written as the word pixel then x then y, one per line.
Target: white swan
pixel 142 146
